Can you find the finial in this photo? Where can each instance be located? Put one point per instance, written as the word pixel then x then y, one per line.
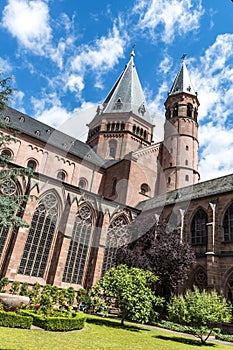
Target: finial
pixel 183 57
pixel 132 52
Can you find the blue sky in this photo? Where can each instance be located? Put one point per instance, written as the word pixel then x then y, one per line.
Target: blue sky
pixel 66 55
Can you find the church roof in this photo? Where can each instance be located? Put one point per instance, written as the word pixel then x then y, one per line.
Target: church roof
pixel 45 133
pixel 127 94
pixel 211 188
pixel 182 82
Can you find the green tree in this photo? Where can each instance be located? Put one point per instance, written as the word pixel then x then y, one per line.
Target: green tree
pixel 11 203
pixel 127 289
pixel 200 310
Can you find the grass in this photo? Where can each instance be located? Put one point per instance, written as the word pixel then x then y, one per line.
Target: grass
pixel 100 334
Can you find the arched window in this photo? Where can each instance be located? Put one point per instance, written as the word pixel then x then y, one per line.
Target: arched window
pixel 6 154
pixel 31 164
pixel 112 148
pixel 229 289
pixel 79 246
pixel 186 177
pixel 41 238
pixel 134 129
pixel 186 162
pixel 114 184
pixel 175 111
pixel 198 228
pixel 7 188
pixel 189 110
pixel 61 175
pixel 169 180
pixel 122 126
pixel 144 189
pixel 228 224
pixel 117 126
pixel 117 235
pixel 82 183
pixel 113 126
pixel 200 279
pixel 145 135
pixel 108 126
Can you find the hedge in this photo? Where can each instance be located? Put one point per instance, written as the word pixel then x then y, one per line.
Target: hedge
pixel 49 323
pixel 13 320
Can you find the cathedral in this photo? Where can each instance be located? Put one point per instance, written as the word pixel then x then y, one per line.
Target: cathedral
pixel 84 196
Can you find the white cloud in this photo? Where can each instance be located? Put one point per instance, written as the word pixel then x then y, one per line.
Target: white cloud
pixel 101 55
pixel 28 22
pixel 177 17
pixel 5 66
pixel 216 158
pixel 75 83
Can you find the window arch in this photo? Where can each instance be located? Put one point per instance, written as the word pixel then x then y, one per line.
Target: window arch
pixel 144 189
pixel 83 183
pixel 200 278
pixel 228 224
pixel 112 148
pixel 7 188
pixel 114 184
pixel 189 110
pixel 6 154
pixel 229 289
pixel 32 164
pixel 117 235
pixel 41 237
pixel 175 111
pixel 79 246
pixel 61 175
pixel 198 228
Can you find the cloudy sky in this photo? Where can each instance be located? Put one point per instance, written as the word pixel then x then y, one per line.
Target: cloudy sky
pixel 66 55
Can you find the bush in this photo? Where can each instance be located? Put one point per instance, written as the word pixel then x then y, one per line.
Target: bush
pixel 224 337
pixel 62 323
pixel 13 320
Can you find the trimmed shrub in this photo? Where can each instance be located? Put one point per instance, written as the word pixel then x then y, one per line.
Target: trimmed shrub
pixel 13 320
pixel 59 323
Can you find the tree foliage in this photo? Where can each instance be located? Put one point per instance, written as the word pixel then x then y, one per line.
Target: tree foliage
pixel 162 252
pixel 200 310
pixel 11 202
pixel 127 289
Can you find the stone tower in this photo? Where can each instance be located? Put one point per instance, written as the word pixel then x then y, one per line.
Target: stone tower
pixel 179 156
pixel 122 124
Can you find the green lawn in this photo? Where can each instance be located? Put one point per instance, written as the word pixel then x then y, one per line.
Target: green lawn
pixel 98 335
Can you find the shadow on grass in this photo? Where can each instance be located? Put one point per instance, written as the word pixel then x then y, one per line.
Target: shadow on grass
pixel 182 340
pixel 100 321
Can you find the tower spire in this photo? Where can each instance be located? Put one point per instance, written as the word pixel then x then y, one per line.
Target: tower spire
pixel 182 82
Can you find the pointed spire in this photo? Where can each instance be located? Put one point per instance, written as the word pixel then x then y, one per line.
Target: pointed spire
pixel 182 82
pixel 127 94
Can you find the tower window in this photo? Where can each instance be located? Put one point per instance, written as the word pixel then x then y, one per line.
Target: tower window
pixel 186 177
pixel 187 148
pixel 170 164
pixel 169 180
pixel 175 111
pixel 108 126
pixel 189 110
pixel 117 126
pixel 134 129
pixel 113 126
pixel 122 126
pixel 186 162
pixel 112 148
pixel 145 135
pixel 114 183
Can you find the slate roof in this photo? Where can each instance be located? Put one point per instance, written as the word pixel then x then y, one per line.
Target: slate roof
pixel 127 94
pixel 48 135
pixel 212 188
pixel 182 82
